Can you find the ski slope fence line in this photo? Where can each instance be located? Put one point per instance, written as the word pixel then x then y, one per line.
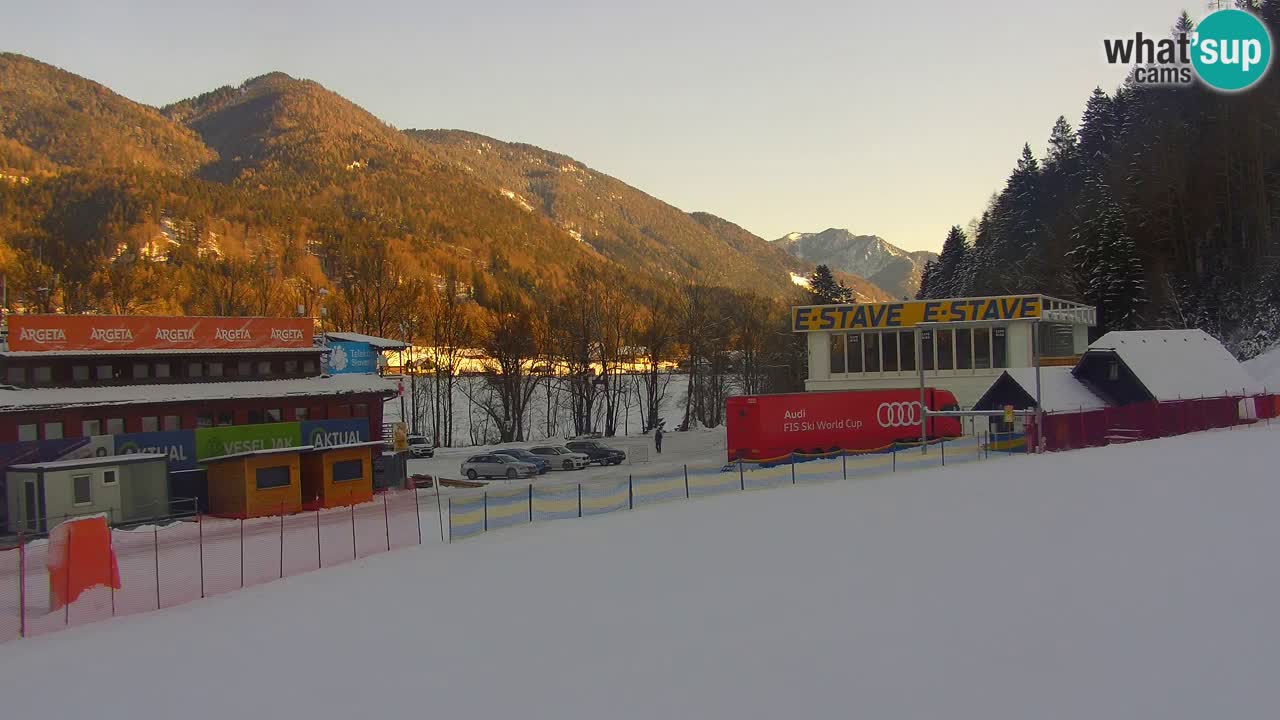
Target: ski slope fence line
pixel 158 567
pixel 478 511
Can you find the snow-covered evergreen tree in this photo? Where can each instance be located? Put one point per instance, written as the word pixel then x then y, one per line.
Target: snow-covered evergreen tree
pixel 825 288
pixel 946 280
pixel 1106 264
pixel 926 281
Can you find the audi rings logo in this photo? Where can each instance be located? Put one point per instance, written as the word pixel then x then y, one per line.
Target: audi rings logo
pixel 898 414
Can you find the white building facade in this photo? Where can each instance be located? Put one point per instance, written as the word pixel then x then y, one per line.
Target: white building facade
pixel 966 343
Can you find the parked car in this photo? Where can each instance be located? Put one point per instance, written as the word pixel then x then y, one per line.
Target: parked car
pixel 497 466
pixel 561 457
pixel 523 455
pixel 420 447
pixel 597 452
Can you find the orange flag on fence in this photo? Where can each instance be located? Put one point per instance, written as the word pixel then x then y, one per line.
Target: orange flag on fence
pixel 80 558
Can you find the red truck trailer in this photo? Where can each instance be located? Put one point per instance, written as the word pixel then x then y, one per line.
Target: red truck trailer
pixel 762 427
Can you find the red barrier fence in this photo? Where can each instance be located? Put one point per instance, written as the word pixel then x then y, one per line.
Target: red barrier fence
pixel 163 566
pixel 1145 421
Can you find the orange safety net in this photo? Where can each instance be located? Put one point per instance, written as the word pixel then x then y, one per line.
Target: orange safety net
pixel 80 558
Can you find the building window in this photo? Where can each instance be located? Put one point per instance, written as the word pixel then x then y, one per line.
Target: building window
pixel 42 375
pixel 104 372
pixel 926 349
pixel 964 349
pixel 204 420
pixel 299 413
pixel 16 375
pixel 309 365
pixel 348 470
pixel 264 367
pixel 108 477
pixel 115 426
pixel 277 476
pixel 162 370
pixel 291 367
pixel 982 348
pixel 225 417
pixel 172 422
pixel 150 423
pixel 837 354
pixel 195 370
pixel 53 431
pixel 274 415
pixel 361 410
pixel 907 351
pixel 244 368
pixel 889 351
pixel 214 369
pixel 999 348
pixel 141 371
pixel 853 352
pixel 871 352
pixel 82 489
pixel 28 433
pixel 1057 340
pixel 945 348
pixel 255 416
pixel 89 428
pixel 1113 371
pixel 80 373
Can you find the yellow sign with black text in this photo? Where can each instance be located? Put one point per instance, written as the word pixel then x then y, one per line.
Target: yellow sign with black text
pixel 881 316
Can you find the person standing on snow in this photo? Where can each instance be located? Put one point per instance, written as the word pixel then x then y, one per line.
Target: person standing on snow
pixel 657 440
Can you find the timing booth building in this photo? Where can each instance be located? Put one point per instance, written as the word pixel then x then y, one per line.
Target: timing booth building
pixel 966 343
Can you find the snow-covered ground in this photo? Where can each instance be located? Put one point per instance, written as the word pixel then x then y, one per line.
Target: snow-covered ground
pixel 1136 581
pixel 1266 368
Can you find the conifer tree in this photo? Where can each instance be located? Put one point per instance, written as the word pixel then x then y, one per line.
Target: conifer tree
pixel 926 280
pixel 1098 128
pixel 825 288
pixel 1106 264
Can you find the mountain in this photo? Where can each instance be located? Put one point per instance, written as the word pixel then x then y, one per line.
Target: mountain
pixel 51 119
pixel 894 270
pixel 614 219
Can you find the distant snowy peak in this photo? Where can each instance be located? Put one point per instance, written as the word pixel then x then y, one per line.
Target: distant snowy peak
pixel 882 263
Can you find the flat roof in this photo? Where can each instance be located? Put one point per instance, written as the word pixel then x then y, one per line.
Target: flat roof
pixel 254 453
pixel 21 399
pixel 91 461
pixel 372 340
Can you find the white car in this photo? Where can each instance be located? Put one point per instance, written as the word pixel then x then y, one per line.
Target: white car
pixel 498 466
pixel 561 458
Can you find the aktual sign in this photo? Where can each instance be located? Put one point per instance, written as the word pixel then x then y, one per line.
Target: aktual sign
pixel 134 332
pixel 351 357
pixel 327 433
pixel 879 316
pixel 179 445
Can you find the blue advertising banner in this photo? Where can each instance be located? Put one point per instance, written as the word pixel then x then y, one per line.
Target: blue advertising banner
pixel 326 433
pixel 351 357
pixel 179 445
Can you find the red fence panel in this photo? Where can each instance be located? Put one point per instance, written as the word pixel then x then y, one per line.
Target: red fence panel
pixel 136 555
pixel 10 594
pixel 179 547
pixel 261 550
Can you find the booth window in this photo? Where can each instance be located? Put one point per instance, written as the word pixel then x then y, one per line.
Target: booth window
pixel 889 349
pixel 53 431
pixel 926 349
pixel 244 368
pixel 964 349
pixel 162 370
pixel 215 369
pixel 855 353
pixel 104 372
pixel 348 470
pixel 982 348
pixel 172 422
pixel 82 489
pixel 141 371
pixel 88 428
pixel 309 365
pixel 195 370
pixel 80 373
pixel 108 477
pixel 225 418
pixel 999 348
pixel 299 413
pixel 204 420
pixel 945 348
pixel 28 433
pixel 150 423
pixel 837 353
pixel 871 352
pixel 277 476
pixel 16 375
pixel 907 351
pixel 291 367
pixel 274 415
pixel 115 426
pixel 264 367
pixel 42 374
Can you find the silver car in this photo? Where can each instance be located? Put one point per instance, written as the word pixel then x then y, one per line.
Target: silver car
pixel 497 466
pixel 561 458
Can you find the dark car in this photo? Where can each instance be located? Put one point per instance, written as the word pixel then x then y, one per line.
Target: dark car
pixel 597 452
pixel 525 456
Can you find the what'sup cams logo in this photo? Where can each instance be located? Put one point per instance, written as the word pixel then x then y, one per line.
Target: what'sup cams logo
pixel 1229 51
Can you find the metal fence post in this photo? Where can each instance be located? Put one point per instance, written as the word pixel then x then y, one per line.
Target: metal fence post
pixel 631 493
pixel 319 556
pixel 844 466
pixel 486 510
pixel 386 520
pixel 450 521
pixel 742 480
pixel 944 452
pixel 22 585
pixel 894 452
pixel 282 540
pixel 242 553
pixel 200 530
pixel 793 468
pixel 579 499
pixel 155 534
pixel 530 502
pixel 115 573
pixel 686 481
pixel 440 511
pixel 417 513
pixel 353 530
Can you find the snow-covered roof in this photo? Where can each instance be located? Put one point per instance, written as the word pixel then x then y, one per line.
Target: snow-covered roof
pixel 1060 391
pixel 90 461
pixel 1266 368
pixel 376 342
pixel 12 399
pixel 1178 364
pixel 254 453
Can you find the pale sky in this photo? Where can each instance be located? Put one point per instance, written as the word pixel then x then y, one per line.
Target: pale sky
pixel 890 118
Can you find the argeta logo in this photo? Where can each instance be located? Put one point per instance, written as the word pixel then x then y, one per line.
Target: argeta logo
pixel 43 335
pixel 1229 51
pixel 235 335
pixel 111 335
pixel 176 335
pixel 286 335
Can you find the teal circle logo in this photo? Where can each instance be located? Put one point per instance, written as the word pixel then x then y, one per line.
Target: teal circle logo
pixel 1231 50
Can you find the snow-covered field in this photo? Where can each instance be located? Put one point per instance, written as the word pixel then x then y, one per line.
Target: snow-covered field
pixel 1266 368
pixel 1127 582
